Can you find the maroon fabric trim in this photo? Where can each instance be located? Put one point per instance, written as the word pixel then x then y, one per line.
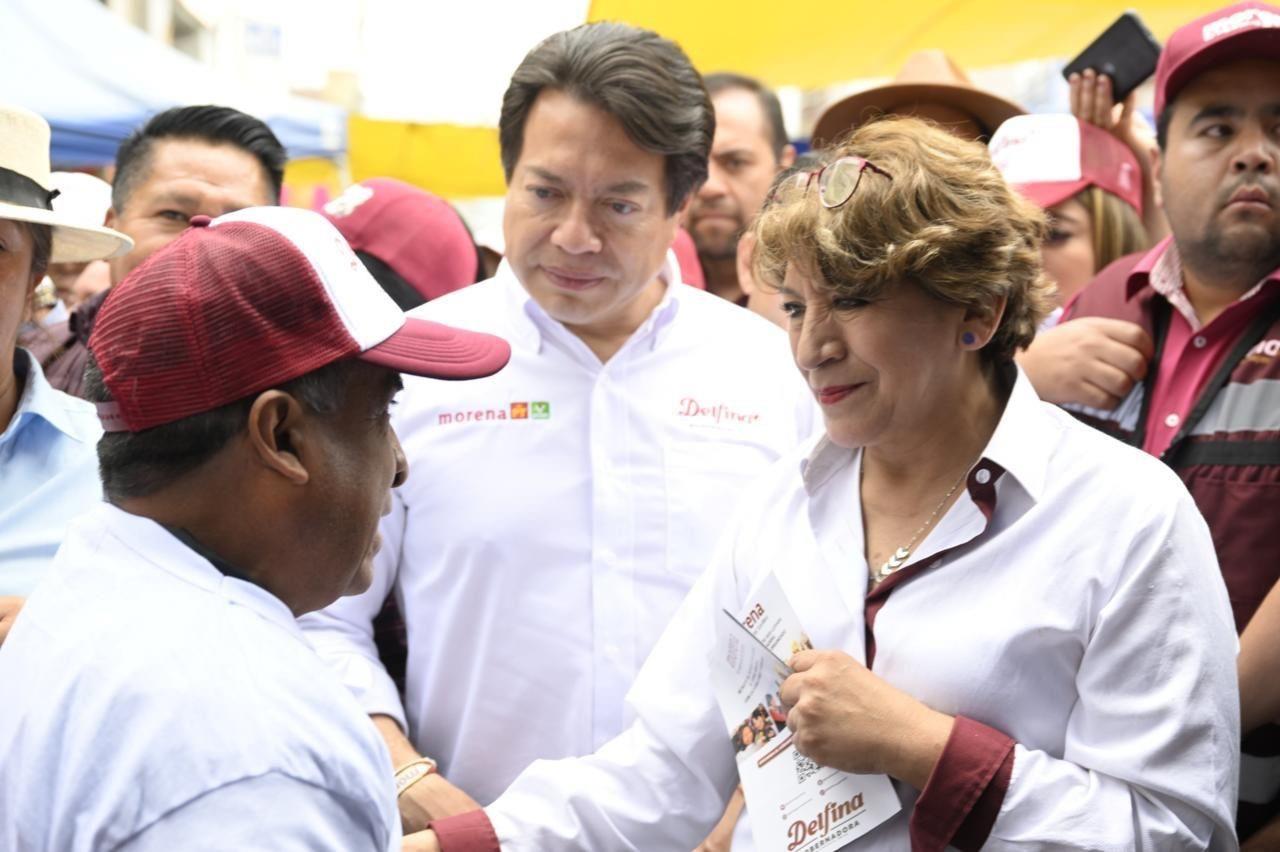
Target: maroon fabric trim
pixel 985 497
pixel 469 832
pixel 962 798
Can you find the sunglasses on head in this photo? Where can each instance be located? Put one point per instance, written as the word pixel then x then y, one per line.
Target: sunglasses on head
pixel 838 180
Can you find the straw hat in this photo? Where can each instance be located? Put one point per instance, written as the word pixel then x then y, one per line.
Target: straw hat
pixel 26 191
pixel 928 77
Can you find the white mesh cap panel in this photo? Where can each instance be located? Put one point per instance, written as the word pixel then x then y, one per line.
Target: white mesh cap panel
pixel 1037 149
pixel 368 313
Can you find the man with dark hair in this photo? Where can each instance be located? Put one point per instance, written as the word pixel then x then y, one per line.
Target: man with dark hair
pixel 158 693
pixel 749 149
pixel 1209 299
pixel 579 494
pixel 184 162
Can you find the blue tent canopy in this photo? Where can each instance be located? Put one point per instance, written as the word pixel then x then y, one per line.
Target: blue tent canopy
pixel 95 78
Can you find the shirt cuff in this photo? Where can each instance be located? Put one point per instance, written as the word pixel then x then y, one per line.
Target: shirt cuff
pixel 469 832
pixel 962 798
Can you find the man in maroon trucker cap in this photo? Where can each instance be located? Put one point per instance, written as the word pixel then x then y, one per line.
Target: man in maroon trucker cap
pixel 1209 298
pixel 158 692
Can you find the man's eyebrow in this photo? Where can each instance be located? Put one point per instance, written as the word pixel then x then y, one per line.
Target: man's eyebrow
pixel 787 291
pixel 1217 111
pixel 543 174
pixel 177 199
pixel 732 152
pixel 627 187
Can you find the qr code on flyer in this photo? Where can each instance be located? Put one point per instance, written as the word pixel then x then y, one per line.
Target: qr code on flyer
pixel 804 766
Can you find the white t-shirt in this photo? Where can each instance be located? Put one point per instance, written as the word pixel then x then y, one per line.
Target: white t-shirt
pixel 151 702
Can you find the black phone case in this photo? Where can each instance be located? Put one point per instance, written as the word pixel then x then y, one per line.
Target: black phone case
pixel 1126 52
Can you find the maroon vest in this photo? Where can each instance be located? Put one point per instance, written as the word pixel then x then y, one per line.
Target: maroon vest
pixel 1227 450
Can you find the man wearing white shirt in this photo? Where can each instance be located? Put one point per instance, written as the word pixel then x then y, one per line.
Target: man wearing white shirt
pixel 158 693
pixel 575 497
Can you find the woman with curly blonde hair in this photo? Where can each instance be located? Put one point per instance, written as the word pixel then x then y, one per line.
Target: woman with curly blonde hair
pixel 1015 618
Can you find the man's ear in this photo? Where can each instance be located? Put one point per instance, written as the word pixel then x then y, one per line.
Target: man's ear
pixel 109 220
pixel 278 432
pixel 1157 168
pixel 788 157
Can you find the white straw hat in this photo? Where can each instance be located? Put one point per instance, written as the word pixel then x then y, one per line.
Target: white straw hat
pixel 26 193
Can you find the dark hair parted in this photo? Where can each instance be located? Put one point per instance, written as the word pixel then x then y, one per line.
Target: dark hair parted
pixel 216 125
pixel 137 464
pixel 724 81
pixel 637 76
pixel 947 222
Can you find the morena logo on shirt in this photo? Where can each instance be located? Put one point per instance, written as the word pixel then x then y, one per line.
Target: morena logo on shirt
pixel 514 411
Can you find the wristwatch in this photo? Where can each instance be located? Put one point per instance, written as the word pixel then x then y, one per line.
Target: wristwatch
pixel 413 772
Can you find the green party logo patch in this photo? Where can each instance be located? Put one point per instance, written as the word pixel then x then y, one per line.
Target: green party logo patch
pixel 540 410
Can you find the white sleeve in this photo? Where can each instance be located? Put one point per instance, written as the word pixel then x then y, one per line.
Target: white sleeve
pixel 342 633
pixel 268 812
pixel 1151 754
pixel 663 782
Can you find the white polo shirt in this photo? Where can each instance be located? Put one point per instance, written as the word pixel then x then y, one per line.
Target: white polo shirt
pixel 554 517
pixel 1068 606
pixel 150 702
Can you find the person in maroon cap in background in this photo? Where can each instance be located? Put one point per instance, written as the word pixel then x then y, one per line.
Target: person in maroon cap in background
pixel 1209 298
pixel 1090 185
pixel 413 243
pixel 158 691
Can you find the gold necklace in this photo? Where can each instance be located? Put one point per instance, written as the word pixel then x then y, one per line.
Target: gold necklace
pixel 900 556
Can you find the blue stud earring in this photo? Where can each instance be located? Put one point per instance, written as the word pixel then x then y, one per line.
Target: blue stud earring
pixel 969 338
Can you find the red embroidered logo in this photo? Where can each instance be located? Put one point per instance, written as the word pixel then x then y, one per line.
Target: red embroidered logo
pixel 717 413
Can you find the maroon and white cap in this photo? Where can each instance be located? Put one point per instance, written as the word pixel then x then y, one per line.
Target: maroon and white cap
pixel 249 301
pixel 1242 31
pixel 1050 158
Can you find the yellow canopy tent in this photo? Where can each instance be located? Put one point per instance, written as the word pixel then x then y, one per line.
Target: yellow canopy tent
pixel 810 45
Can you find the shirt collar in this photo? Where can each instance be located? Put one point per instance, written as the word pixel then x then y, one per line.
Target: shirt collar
pixel 40 399
pixel 531 323
pixel 152 543
pixel 1020 444
pixel 1161 269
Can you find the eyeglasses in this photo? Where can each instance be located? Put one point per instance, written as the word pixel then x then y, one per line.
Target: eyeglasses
pixel 838 181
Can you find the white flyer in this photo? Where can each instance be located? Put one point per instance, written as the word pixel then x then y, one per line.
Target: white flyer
pixel 794 804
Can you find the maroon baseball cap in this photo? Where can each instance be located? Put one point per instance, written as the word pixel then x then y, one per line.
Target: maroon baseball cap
pixel 249 301
pixel 1050 158
pixel 1242 31
pixel 417 234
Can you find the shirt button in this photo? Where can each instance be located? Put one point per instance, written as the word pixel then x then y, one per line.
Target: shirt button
pixel 1172 421
pixel 1199 342
pixel 983 476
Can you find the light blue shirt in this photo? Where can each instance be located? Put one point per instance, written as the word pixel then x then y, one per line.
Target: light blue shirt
pixel 152 703
pixel 48 475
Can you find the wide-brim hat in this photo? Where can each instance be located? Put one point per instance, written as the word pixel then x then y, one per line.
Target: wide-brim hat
pixel 927 77
pixel 26 194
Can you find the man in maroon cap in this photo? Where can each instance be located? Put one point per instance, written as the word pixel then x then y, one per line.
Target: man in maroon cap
pixel 158 691
pixel 1209 298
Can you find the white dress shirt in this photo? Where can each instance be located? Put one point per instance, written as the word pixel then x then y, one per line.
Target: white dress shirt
pixel 537 558
pixel 151 702
pixel 1086 620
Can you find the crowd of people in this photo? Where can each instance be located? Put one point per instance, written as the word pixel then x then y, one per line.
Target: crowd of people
pixel 319 530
